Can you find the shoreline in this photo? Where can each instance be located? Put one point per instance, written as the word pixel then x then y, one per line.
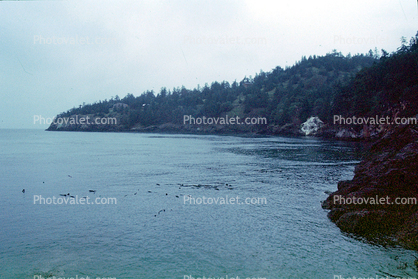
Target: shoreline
pixel 389 171
pixel 339 133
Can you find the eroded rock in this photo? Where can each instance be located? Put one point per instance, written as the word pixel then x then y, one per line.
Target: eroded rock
pixel 383 181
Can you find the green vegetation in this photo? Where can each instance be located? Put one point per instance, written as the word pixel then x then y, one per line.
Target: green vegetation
pixel 360 85
pixel 388 88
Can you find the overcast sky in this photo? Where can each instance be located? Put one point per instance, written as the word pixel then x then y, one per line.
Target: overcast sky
pixel 55 55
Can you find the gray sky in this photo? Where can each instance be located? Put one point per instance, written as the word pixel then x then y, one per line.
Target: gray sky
pixel 55 55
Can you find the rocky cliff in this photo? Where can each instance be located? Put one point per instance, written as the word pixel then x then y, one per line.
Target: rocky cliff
pixel 380 202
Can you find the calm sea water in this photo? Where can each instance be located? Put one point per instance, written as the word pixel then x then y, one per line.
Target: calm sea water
pixel 152 233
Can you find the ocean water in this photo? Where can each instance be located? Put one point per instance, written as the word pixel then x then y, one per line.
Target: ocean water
pixel 158 226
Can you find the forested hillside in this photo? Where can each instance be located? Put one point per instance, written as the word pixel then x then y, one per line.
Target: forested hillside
pixel 322 86
pixel 390 86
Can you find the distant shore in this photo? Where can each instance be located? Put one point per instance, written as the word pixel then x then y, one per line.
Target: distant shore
pixel 337 132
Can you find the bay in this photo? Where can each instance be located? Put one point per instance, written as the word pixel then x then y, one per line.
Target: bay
pixel 159 226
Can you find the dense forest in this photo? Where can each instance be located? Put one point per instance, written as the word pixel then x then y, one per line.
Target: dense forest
pixel 389 86
pixel 322 86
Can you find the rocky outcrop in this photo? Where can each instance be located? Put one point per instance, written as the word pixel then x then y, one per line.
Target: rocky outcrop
pixel 380 202
pixel 312 126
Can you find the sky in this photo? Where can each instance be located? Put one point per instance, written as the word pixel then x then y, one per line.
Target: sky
pixel 56 55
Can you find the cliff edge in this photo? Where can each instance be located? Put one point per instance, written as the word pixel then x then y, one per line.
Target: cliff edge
pixel 380 202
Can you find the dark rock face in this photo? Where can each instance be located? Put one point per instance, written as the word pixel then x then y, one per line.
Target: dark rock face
pixel 381 201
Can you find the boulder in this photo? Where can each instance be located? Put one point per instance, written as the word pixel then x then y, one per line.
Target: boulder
pixel 312 126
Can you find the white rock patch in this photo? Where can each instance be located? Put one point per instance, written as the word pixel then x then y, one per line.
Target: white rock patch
pixel 311 126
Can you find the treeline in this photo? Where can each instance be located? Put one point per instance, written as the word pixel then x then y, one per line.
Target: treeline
pixel 388 88
pixel 321 86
